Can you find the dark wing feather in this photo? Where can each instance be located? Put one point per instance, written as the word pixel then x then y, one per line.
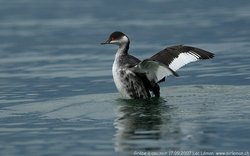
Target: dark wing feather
pixel 129 61
pixel 177 56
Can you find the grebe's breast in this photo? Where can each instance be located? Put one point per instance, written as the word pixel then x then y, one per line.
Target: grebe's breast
pixel 127 82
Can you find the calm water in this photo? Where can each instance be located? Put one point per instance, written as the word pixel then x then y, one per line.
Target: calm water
pixel 57 96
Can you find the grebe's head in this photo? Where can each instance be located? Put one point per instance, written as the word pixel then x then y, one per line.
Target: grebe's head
pixel 117 38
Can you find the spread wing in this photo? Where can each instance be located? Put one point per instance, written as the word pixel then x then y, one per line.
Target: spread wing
pixel 176 57
pixel 154 70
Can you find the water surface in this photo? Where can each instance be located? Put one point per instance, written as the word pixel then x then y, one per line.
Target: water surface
pixel 57 96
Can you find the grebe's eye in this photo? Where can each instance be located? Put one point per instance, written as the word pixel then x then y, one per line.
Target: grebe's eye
pixel 112 38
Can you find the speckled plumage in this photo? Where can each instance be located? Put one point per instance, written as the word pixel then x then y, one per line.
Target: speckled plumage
pixel 128 83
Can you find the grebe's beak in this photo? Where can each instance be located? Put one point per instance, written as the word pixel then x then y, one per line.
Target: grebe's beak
pixel 106 42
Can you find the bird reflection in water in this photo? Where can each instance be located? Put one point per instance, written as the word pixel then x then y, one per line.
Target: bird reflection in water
pixel 139 124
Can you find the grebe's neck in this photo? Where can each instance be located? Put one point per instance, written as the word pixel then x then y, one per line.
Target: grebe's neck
pixel 123 46
pixel 123 49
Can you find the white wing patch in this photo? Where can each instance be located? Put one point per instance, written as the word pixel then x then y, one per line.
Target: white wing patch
pixel 155 71
pixel 161 72
pixel 183 59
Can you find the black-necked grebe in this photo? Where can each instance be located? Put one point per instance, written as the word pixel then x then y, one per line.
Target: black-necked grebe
pixel 137 79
